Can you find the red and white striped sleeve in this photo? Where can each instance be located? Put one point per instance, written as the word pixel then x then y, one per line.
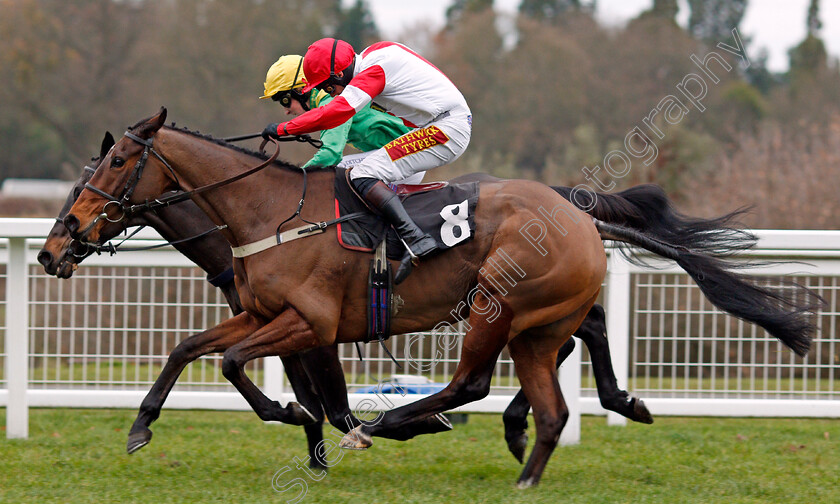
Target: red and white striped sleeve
pixel 358 93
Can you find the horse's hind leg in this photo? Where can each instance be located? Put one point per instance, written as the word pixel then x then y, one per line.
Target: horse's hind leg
pixel 593 332
pixel 470 382
pixel 538 376
pixel 533 355
pixel 515 416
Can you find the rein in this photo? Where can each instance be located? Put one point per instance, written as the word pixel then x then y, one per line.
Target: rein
pixel 177 198
pixel 137 173
pixel 122 202
pixel 300 138
pixel 242 251
pixel 134 179
pixel 112 249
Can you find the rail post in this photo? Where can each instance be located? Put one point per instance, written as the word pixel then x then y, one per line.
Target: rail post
pixel 570 383
pixel 17 340
pixel 273 383
pixel 618 323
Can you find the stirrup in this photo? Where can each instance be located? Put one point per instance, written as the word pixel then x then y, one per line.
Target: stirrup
pixel 415 260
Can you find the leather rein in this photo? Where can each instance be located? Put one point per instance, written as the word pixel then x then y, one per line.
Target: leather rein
pixel 122 202
pixel 125 209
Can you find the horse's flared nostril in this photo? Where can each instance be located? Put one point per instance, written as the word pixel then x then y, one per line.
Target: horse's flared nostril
pixel 71 222
pixel 45 257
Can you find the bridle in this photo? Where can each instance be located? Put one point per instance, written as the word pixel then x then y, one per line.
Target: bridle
pixel 121 202
pixel 89 247
pixel 126 209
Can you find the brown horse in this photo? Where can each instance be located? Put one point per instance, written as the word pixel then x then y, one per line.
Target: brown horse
pixel 194 235
pixel 186 227
pixel 310 292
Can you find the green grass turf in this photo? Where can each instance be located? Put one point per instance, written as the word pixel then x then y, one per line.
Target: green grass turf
pixel 207 456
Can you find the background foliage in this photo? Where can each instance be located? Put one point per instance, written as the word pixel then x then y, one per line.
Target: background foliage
pixel 551 91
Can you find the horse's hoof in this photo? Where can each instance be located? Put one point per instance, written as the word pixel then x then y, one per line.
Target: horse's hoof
pixel 447 425
pixel 300 415
pixel 137 440
pixel 317 464
pixel 640 412
pixel 356 439
pixel 517 444
pixel 526 483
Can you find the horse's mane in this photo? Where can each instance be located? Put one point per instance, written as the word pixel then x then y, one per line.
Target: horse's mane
pixel 218 141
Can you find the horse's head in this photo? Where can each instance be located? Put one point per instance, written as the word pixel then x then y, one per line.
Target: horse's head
pixel 61 253
pixel 121 179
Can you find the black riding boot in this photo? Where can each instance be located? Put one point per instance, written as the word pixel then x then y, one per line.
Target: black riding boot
pixel 418 244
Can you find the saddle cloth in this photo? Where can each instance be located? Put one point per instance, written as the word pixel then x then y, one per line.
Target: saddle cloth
pixel 445 211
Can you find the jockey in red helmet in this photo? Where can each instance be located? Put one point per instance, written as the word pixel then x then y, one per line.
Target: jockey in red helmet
pixel 406 85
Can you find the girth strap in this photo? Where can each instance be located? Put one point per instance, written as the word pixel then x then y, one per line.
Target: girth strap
pixel 287 236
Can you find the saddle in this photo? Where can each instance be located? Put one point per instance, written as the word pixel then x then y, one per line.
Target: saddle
pixel 445 211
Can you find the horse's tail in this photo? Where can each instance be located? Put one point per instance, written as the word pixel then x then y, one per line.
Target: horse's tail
pixel 784 313
pixel 646 208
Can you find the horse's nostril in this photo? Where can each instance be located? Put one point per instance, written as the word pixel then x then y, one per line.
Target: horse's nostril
pixel 45 258
pixel 71 223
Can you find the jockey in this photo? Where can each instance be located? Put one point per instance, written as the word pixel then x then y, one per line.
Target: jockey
pixel 366 131
pixel 404 84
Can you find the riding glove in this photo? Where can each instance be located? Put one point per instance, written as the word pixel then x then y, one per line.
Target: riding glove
pixel 271 131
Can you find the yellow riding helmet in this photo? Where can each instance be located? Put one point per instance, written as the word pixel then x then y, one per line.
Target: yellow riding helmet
pixel 285 74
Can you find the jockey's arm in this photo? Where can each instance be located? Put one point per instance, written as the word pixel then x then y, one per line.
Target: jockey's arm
pixel 358 94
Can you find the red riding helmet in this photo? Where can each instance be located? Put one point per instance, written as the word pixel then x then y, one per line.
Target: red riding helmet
pixel 324 59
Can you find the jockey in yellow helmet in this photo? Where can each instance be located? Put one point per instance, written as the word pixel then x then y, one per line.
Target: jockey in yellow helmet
pixel 367 131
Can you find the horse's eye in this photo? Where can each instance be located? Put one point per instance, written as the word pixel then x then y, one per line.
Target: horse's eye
pixel 117 162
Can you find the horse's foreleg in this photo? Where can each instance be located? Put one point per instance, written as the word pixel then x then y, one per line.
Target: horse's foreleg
pixel 327 376
pixel 216 339
pixel 470 382
pixel 286 334
pixel 308 395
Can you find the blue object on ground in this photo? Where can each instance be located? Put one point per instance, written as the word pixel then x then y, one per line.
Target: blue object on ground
pixel 408 388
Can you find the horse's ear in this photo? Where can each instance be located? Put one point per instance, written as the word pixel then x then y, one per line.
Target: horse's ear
pixel 153 124
pixel 107 143
pixel 161 118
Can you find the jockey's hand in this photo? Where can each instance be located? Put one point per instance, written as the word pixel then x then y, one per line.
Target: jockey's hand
pixel 270 131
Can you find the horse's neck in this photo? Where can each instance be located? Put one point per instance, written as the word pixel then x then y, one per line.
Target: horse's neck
pixel 250 207
pixel 183 221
